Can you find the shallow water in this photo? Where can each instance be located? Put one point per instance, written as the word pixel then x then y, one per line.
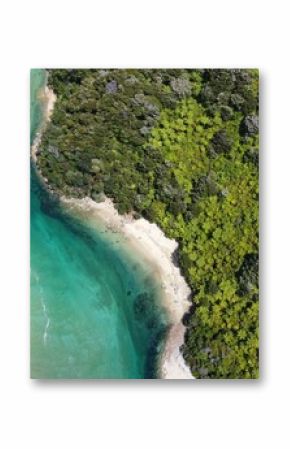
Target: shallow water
pixel 95 309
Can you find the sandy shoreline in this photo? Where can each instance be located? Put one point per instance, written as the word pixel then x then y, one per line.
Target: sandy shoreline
pixel 48 98
pixel 149 241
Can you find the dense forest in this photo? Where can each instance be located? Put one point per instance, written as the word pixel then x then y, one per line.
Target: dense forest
pixel 180 148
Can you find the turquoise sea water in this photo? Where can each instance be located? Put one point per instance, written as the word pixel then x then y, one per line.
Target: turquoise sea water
pixel 95 309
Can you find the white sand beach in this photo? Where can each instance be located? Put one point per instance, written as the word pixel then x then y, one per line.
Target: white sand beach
pixel 47 98
pixel 149 241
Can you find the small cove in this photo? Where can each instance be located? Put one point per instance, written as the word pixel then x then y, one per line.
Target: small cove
pixel 95 308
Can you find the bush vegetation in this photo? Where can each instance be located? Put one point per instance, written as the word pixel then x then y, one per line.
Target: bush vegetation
pixel 179 147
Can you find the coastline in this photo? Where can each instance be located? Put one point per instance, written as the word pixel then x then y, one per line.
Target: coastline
pixel 48 99
pixel 149 241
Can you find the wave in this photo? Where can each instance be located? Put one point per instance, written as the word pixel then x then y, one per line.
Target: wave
pixel 37 280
